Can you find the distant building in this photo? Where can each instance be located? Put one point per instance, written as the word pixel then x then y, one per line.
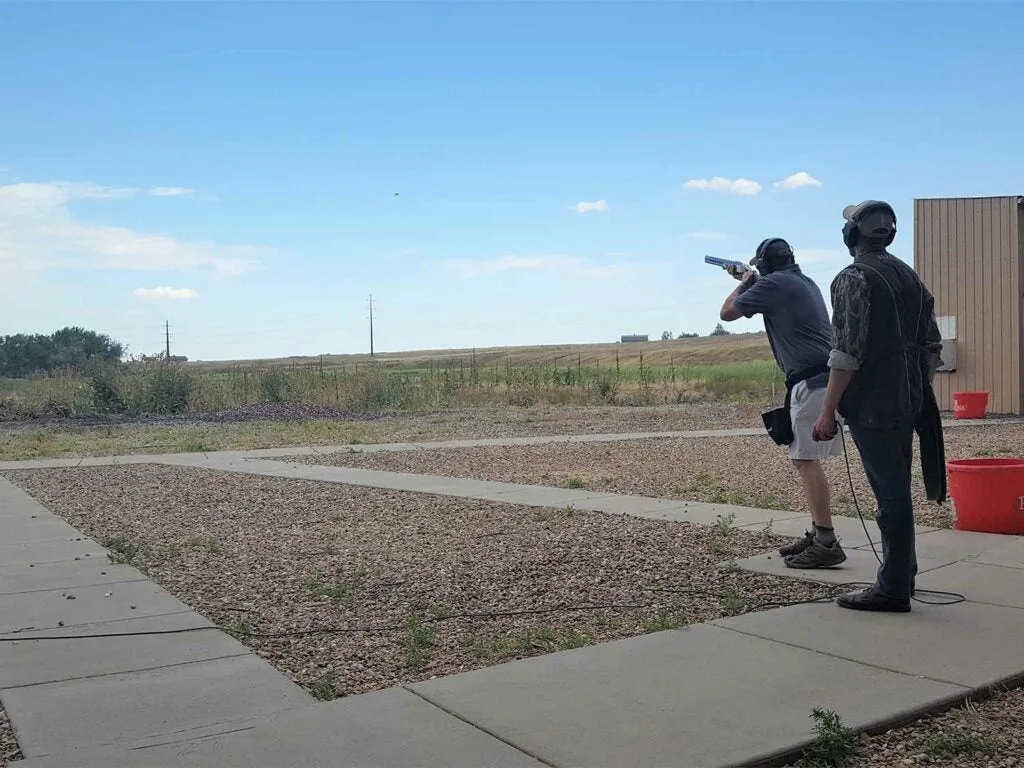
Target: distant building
pixel 632 339
pixel 179 359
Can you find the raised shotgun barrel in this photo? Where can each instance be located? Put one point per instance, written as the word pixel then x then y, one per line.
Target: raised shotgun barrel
pixel 725 263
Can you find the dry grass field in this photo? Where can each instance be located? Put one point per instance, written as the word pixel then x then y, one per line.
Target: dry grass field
pixel 706 350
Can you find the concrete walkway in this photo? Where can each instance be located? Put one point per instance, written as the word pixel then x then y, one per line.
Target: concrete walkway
pixel 316 450
pixel 736 691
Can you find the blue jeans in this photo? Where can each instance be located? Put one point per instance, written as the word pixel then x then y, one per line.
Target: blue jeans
pixel 887 455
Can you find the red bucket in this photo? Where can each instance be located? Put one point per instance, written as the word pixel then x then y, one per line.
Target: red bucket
pixel 969 405
pixel 988 494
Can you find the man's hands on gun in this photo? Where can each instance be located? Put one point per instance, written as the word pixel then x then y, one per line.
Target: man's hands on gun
pixel 746 275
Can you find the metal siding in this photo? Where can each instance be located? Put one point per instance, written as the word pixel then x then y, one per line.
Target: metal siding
pixel 970 253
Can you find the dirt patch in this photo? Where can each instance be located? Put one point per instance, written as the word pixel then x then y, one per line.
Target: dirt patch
pixel 445 585
pixel 749 471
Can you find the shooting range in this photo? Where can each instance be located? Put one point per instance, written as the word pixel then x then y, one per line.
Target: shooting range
pixel 970 253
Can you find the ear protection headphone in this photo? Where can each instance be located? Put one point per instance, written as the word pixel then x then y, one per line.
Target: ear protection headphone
pixel 765 264
pixel 852 230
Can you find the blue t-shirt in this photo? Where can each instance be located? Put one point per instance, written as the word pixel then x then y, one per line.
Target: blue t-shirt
pixel 795 319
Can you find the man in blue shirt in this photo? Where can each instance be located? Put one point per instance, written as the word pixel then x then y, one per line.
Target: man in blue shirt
pixel 799 332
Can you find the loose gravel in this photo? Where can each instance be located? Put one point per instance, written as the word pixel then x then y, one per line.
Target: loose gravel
pixel 749 471
pixel 457 584
pixel 9 750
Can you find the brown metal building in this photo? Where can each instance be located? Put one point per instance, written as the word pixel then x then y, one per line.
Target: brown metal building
pixel 970 253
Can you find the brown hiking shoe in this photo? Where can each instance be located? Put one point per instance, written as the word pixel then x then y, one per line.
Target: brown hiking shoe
pixel 797 546
pixel 817 555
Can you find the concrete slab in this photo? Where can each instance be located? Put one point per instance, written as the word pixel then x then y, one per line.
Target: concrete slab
pixel 967 644
pixel 24 529
pixel 386 729
pixel 31 662
pixel 85 605
pixel 849 530
pixel 1008 555
pixel 540 496
pixel 860 566
pixel 634 506
pixel 751 518
pixel 980 583
pixel 63 574
pixel 35 553
pixel 956 545
pixel 143 708
pixel 699 697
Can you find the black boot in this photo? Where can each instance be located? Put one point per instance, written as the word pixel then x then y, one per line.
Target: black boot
pixel 871 600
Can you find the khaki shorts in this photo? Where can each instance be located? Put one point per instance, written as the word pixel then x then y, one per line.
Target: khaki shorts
pixel 804 410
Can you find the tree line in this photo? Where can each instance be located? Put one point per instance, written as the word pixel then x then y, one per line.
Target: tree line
pixel 71 348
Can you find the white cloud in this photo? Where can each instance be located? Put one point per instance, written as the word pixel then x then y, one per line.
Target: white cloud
pixel 171 191
pixel 719 184
pixel 565 265
pixel 38 232
pixel 706 236
pixel 589 207
pixel 797 180
pixel 165 293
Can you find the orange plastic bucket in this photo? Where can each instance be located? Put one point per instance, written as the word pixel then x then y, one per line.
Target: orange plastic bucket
pixel 969 405
pixel 988 494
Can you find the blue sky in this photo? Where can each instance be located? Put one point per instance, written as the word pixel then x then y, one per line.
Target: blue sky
pixel 247 157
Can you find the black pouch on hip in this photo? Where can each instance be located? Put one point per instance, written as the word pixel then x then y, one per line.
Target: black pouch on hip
pixel 779 424
pixel 777 421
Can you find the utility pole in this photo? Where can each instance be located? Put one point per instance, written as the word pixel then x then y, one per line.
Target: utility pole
pixel 371 325
pixel 167 339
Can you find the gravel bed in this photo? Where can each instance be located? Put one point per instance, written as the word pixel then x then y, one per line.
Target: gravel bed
pixel 987 734
pixel 749 471
pixel 266 555
pixel 9 750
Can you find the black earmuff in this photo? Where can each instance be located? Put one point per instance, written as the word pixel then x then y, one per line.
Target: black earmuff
pixel 851 229
pixel 762 262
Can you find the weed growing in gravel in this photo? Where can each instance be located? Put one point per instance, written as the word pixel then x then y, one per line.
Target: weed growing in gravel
pixel 719 547
pixel 723 524
pixel 732 602
pixel 574 482
pixel 769 502
pixel 664 620
pixel 732 567
pixel 958 743
pixel 527 641
pixel 419 643
pixel 323 689
pixel 240 627
pixel 122 551
pixel 342 589
pixel 704 488
pixel 834 744
pixel 441 611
